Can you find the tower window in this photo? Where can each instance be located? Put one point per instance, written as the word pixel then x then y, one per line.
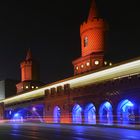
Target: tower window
pixel 85 41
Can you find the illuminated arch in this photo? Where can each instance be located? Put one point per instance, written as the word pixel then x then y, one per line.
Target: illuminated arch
pixel 77 114
pixel 18 114
pixel 125 112
pixel 57 114
pixel 90 114
pixel 29 113
pixel 105 113
pixel 37 112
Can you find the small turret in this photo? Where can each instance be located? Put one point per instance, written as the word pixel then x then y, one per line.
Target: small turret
pixel 29 74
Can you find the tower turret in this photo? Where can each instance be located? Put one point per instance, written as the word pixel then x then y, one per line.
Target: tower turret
pixel 29 74
pixel 29 68
pixel 92 34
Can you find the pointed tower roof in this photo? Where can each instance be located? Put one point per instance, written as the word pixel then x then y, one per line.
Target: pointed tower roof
pixel 93 11
pixel 29 54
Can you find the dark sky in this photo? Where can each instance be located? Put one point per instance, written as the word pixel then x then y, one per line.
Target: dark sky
pixel 51 29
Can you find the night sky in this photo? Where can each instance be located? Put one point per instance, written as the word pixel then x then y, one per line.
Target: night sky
pixel 51 29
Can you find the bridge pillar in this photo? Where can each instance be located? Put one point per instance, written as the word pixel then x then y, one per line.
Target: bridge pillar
pixel 66 117
pixel 1 111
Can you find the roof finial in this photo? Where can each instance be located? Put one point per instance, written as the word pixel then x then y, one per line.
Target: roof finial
pixel 93 11
pixel 29 54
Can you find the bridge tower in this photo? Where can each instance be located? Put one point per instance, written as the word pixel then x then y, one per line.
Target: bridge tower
pixel 92 34
pixel 29 74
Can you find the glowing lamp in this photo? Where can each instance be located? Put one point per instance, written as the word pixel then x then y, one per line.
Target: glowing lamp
pixel 105 63
pixel 82 66
pixel 87 63
pixel 96 62
pixel 34 109
pixel 110 64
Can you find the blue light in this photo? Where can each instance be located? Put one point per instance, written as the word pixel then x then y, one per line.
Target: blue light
pixel 16 115
pixel 126 104
pixel 76 114
pixel 35 113
pixel 29 113
pixel 107 105
pixel 10 112
pixel 57 114
pixel 34 109
pixel 89 114
pixel 105 113
pixel 125 112
pixel 17 118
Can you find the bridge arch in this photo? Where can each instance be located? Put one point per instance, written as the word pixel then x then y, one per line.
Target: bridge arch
pixel 57 114
pixel 125 112
pixel 105 113
pixel 19 114
pixel 90 114
pixel 77 114
pixel 28 113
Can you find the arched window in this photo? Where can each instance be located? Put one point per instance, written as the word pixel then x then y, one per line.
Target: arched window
pixel 76 114
pixel 57 114
pixel 125 112
pixel 90 114
pixel 85 41
pixel 105 113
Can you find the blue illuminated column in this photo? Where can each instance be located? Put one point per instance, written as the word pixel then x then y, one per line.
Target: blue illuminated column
pixel 57 114
pixel 89 114
pixel 77 114
pixel 125 112
pixel 105 113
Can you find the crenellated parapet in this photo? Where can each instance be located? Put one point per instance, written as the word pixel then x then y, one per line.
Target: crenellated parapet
pixel 29 62
pixel 96 23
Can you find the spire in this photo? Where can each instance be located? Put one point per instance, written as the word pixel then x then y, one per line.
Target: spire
pixel 29 54
pixel 93 10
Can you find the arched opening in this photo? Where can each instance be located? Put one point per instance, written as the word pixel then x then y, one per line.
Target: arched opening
pixel 125 112
pixel 57 114
pixel 105 113
pixel 29 113
pixel 77 114
pixel 90 114
pixel 37 112
pixel 18 115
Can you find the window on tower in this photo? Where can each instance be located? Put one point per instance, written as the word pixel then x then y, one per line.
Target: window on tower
pixel 85 41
